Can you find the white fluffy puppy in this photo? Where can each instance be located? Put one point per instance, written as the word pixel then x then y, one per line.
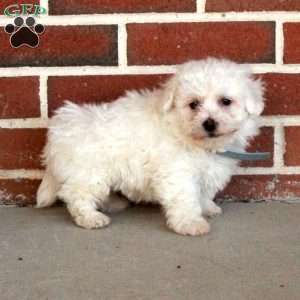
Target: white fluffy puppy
pixel 155 146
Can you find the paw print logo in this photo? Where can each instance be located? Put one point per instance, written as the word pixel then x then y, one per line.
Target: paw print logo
pixel 24 33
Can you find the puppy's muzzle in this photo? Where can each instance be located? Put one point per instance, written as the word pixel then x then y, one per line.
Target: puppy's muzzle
pixel 210 126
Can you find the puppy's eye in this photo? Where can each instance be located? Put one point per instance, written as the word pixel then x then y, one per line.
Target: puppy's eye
pixel 194 104
pixel 225 101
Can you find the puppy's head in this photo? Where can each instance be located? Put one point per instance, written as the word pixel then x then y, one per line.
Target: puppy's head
pixel 213 101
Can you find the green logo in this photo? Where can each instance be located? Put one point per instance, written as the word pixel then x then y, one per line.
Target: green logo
pixel 16 10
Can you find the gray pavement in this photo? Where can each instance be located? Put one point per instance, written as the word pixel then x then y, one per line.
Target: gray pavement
pixel 253 252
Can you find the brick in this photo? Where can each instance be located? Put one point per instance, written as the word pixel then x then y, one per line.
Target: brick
pixel 19 97
pixel 21 148
pixel 262 143
pixel 252 5
pixel 6 3
pixel 163 44
pixel 67 7
pixel 96 89
pixel 292 137
pixel 65 46
pixel 262 187
pixel 291 33
pixel 282 94
pixel 18 191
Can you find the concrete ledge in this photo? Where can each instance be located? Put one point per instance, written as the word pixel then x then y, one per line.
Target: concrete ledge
pixel 253 252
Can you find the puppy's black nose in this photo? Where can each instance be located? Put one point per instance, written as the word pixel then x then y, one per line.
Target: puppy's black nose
pixel 210 125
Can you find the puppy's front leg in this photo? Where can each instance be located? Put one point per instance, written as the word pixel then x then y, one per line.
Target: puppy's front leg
pixel 183 211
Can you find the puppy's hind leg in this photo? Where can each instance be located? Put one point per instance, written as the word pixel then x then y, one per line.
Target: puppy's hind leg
pixel 82 205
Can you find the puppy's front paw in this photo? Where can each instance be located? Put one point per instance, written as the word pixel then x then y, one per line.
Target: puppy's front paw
pixel 195 227
pixel 92 220
pixel 212 210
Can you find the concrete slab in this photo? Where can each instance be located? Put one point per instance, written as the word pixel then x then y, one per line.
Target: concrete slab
pixel 253 252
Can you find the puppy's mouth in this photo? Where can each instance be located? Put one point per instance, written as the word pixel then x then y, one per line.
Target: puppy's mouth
pixel 212 135
pixel 215 135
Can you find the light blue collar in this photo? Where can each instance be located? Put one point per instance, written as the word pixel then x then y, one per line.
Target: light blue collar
pixel 245 155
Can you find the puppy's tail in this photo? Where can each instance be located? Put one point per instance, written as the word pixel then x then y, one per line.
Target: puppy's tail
pixel 46 195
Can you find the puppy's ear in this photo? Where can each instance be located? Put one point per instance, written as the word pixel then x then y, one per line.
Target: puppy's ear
pixel 169 93
pixel 255 99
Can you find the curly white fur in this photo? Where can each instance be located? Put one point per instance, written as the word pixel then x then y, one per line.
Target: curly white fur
pixel 151 146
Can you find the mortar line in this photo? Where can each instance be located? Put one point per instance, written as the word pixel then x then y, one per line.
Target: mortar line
pixel 274 120
pixel 123 70
pixel 21 174
pixel 268 171
pixel 124 18
pixel 43 97
pixel 29 123
pixel 279 42
pixel 279 146
pixel 200 6
pixel 122 46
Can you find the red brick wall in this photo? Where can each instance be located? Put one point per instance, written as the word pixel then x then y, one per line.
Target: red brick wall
pixel 93 50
